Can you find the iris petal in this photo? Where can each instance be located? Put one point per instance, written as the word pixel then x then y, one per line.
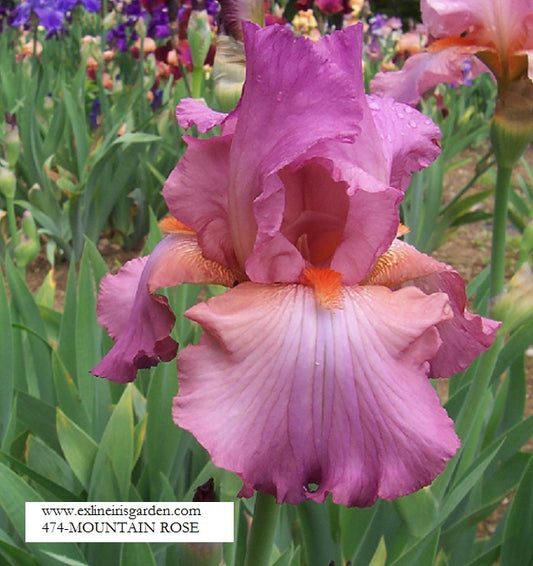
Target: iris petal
pixel 465 335
pixel 302 401
pixel 139 320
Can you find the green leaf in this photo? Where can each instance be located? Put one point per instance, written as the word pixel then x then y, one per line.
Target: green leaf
pixel 138 439
pixel 40 381
pixel 48 463
pixel 97 262
pixel 62 559
pixel 76 116
pixel 136 137
pixel 20 557
pixel 515 347
pixel 418 510
pixel 464 485
pixel 38 417
pixel 14 492
pixel 46 487
pixel 68 397
pixel 495 487
pixel 6 355
pixel 78 447
pixel 385 521
pixel 45 296
pixel 422 552
pixel 488 558
pixel 161 456
pixel 154 235
pixel 87 335
pixel 380 556
pixel 137 554
pixel 114 460
pixel 510 402
pixel 517 547
pixel 67 334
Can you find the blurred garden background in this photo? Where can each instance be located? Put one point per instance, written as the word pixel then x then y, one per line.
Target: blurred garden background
pixel 88 136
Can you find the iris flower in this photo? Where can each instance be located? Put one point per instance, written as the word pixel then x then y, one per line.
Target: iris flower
pixel 498 32
pixel 311 375
pixel 51 14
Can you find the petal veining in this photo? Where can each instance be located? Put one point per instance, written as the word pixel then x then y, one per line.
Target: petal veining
pixel 302 401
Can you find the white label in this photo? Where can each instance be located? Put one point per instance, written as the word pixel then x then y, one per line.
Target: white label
pixel 129 522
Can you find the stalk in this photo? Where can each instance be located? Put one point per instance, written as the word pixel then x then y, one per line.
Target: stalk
pixel 266 513
pixel 12 221
pixel 499 231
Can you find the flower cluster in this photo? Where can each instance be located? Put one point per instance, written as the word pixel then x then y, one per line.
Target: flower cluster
pixel 311 375
pixel 51 15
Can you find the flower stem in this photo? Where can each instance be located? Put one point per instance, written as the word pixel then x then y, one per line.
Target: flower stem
pixel 499 230
pixel 12 222
pixel 197 78
pixel 266 513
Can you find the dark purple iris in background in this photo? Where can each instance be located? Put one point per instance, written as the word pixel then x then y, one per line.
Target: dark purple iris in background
pixel 50 13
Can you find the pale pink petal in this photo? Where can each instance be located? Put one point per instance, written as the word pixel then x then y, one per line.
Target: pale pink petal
pixel 139 320
pixel 196 193
pixel 301 402
pixel 423 71
pixel 464 336
pixel 506 25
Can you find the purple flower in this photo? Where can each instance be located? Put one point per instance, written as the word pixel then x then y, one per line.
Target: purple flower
pixel 51 14
pixel 94 113
pixel 377 23
pixel 91 5
pixel 134 10
pixel 158 24
pixel 311 375
pixel 157 100
pixel 212 7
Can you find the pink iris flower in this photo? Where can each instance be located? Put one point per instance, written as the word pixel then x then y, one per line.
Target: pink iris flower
pixel 311 375
pixel 499 33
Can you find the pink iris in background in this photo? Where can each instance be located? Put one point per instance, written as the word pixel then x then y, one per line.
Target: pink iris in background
pixel 311 375
pixel 498 32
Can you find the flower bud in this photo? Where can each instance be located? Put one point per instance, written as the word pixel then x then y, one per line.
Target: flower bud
pixel 199 36
pixel 29 245
pixel 140 27
pixel 12 145
pixel 228 72
pixel 515 305
pixel 8 182
pixel 512 124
